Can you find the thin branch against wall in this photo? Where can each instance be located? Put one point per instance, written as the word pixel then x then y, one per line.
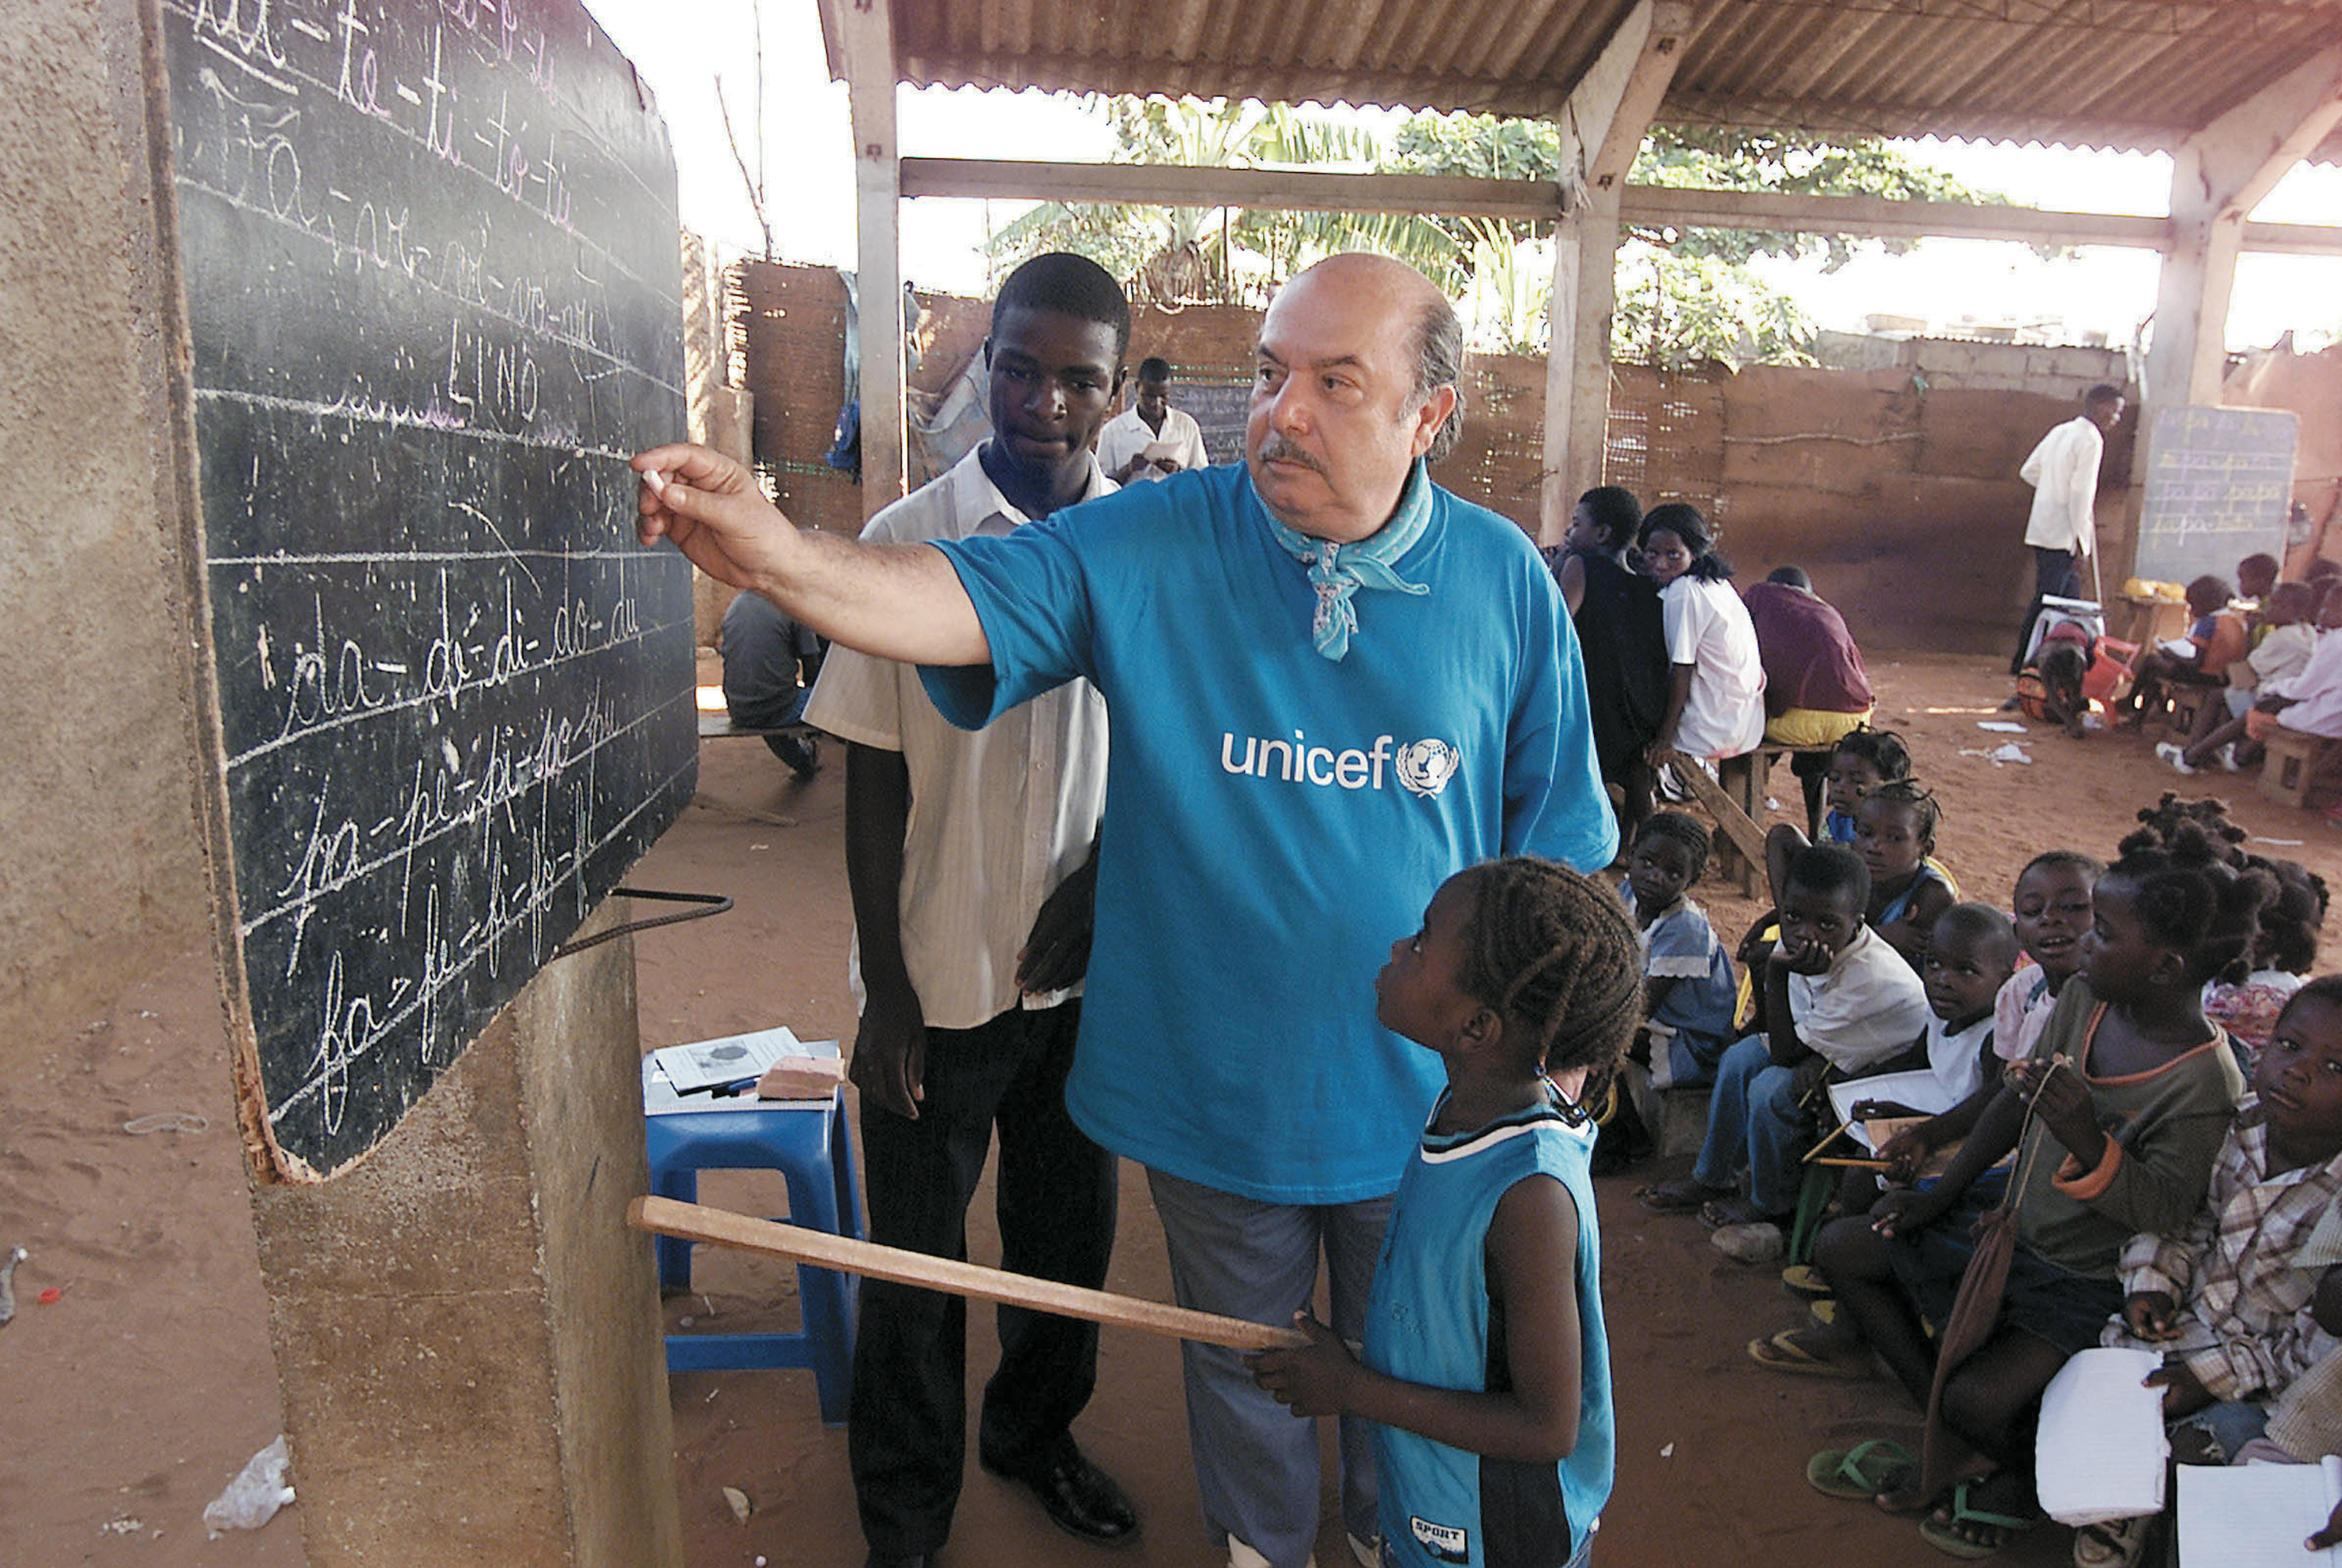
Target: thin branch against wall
pixel 756 181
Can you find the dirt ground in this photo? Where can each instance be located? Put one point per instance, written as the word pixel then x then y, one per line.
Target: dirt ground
pixel 133 1398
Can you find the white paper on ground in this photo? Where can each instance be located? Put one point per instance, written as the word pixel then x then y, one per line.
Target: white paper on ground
pixel 2256 1515
pixel 2101 1448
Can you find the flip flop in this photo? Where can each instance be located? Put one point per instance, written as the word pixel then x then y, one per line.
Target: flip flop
pixel 1786 1351
pixel 1945 1537
pixel 1684 1196
pixel 1858 1473
pixel 1806 1282
pixel 2112 1543
pixel 1824 1313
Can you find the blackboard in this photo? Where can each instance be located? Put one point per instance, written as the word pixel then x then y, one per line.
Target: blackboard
pixel 428 255
pixel 1220 412
pixel 2218 484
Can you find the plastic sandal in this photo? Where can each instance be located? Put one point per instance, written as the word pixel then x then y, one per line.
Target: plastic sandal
pixel 1945 1537
pixel 1858 1473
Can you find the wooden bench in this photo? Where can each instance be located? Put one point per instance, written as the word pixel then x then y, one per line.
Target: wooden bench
pixel 2295 764
pixel 718 725
pixel 1736 799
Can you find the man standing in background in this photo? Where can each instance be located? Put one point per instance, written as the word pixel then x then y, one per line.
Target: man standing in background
pixel 1151 439
pixel 2064 474
pixel 970 860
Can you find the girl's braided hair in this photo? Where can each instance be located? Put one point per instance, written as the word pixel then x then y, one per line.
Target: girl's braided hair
pixel 2289 921
pixel 1926 811
pixel 2202 825
pixel 1884 750
pixel 1556 955
pixel 2197 893
pixel 1683 830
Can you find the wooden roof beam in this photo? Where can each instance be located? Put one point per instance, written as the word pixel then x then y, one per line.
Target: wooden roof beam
pixel 1312 190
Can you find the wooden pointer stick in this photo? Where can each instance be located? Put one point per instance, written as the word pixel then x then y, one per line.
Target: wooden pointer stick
pixel 696 1222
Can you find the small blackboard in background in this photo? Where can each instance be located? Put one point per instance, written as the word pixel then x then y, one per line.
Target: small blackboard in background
pixel 1220 412
pixel 2217 484
pixel 429 258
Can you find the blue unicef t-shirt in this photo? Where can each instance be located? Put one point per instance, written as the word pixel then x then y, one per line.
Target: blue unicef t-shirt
pixel 1275 819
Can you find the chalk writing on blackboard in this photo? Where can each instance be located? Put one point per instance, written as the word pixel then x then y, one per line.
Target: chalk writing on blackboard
pixel 2218 482
pixel 1219 409
pixel 428 250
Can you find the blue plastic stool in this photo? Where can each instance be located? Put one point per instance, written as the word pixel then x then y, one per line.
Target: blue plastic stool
pixel 812 1148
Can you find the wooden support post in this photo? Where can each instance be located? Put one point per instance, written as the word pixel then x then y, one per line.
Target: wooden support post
pixel 2219 174
pixel 1601 131
pixel 866 38
pixel 719 1227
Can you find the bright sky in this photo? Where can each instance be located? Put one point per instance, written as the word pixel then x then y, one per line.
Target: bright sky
pixel 681 48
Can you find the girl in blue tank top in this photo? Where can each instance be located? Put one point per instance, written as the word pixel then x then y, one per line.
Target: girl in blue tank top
pixel 1490 1388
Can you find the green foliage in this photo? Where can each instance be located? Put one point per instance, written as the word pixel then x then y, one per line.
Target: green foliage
pixel 1685 295
pixel 1178 254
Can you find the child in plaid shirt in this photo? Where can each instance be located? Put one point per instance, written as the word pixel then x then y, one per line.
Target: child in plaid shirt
pixel 2230 1301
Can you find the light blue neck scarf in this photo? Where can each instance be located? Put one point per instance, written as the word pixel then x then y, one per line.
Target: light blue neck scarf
pixel 1338 571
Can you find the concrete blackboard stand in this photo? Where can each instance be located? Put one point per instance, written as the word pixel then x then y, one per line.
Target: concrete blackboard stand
pixel 466 1333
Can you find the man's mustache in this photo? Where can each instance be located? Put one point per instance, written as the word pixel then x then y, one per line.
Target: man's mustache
pixel 1278 449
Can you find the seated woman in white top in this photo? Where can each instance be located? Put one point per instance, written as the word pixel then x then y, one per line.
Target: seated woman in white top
pixel 1716 699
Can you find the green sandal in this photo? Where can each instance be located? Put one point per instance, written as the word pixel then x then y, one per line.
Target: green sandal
pixel 1945 1538
pixel 1858 1473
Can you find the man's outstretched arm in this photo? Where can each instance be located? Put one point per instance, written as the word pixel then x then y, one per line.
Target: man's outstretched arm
pixel 900 602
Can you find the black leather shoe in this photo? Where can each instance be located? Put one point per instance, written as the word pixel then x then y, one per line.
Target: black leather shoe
pixel 1079 1498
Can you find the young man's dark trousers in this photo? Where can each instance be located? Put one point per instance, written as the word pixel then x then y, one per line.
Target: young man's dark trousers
pixel 906 1426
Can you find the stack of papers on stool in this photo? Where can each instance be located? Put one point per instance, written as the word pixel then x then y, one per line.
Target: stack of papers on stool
pixel 725 1074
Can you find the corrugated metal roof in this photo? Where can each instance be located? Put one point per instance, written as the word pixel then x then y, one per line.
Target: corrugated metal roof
pixel 2134 75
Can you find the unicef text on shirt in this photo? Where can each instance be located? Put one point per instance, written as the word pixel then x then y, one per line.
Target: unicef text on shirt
pixel 1422 767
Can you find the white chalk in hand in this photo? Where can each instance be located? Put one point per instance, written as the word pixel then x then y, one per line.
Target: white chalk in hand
pixel 655 480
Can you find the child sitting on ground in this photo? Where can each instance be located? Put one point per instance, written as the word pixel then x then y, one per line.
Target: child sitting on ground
pixel 1838 998
pixel 1894 833
pixel 2228 1298
pixel 2059 671
pixel 1688 980
pixel 2117 1117
pixel 1489 1387
pixel 1970 955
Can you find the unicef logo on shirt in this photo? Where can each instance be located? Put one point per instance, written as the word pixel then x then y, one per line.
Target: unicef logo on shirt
pixel 1426 766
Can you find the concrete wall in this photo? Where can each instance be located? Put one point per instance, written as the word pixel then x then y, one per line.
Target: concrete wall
pixel 466 1332
pixel 100 864
pixel 2310 384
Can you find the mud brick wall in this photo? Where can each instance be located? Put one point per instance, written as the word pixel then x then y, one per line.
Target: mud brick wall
pixel 1894 484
